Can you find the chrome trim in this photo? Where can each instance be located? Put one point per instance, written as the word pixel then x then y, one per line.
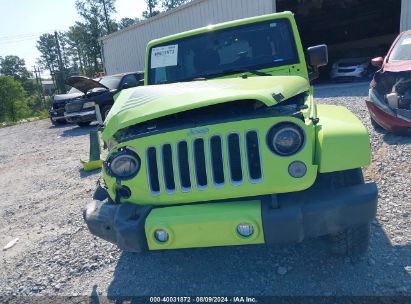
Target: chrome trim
pixel 234 183
pixel 221 185
pixel 153 193
pixel 54 118
pixel 80 113
pixel 167 190
pixel 183 189
pixel 258 180
pixel 194 163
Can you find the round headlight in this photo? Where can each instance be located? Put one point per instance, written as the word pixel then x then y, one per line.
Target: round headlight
pixel 124 164
pixel 285 139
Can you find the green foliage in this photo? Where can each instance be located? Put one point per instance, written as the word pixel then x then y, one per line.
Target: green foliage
pixel 170 4
pixel 15 67
pixel 49 58
pixel 151 9
pixel 126 22
pixel 13 104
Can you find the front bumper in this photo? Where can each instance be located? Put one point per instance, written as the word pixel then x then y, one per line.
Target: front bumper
pixel 347 73
pixel 56 114
pixel 290 217
pixel 388 121
pixel 81 116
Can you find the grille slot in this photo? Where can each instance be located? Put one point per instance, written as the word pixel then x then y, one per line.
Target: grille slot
pixel 200 163
pixel 152 170
pixel 183 166
pixel 168 170
pixel 234 158
pixel 217 161
pixel 253 156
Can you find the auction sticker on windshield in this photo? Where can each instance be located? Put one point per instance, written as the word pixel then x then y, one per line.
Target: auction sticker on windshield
pixel 164 56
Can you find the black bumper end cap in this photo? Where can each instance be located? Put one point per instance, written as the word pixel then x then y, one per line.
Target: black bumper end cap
pixel 309 214
pixel 120 224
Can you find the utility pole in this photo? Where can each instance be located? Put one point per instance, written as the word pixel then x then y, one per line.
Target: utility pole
pixel 106 17
pixel 37 72
pixel 60 61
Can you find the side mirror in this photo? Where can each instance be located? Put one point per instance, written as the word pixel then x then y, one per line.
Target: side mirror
pixel 317 57
pixel 126 86
pixel 377 62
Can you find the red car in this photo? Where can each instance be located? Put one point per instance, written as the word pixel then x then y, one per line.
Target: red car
pixel 389 101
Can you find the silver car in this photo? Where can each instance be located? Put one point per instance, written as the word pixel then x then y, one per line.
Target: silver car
pixel 350 68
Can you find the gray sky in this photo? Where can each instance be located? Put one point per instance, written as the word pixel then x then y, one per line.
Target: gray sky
pixel 23 21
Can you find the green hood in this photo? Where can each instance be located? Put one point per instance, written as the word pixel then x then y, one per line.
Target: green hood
pixel 141 104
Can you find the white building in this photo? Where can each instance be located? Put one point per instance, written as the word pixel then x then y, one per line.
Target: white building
pixel 371 23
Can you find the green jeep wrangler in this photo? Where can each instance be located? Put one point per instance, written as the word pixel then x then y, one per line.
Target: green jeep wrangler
pixel 224 145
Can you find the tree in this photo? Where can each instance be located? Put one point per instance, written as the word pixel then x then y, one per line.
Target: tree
pixel 97 11
pixel 126 22
pixel 15 67
pixel 77 37
pixel 49 58
pixel 13 105
pixel 170 4
pixel 151 9
pixel 97 23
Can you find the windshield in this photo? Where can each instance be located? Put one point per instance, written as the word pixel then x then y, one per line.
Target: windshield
pixel 402 50
pixel 111 82
pixel 252 46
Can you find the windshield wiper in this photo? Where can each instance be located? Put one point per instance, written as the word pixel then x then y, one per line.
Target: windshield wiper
pixel 235 71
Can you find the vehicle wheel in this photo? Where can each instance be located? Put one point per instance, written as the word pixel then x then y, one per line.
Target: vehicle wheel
pixel 354 240
pixel 375 125
pixel 105 111
pixel 57 122
pixel 84 124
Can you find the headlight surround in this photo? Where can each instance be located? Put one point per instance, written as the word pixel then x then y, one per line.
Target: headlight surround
pixel 285 139
pixel 124 164
pixel 89 104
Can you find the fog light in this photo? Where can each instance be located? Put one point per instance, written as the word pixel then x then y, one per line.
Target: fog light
pixel 297 169
pixel 245 230
pixel 161 235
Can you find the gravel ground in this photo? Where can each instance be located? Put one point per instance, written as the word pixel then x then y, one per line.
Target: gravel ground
pixel 43 191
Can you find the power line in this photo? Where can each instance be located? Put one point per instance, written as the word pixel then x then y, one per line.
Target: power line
pixel 29 34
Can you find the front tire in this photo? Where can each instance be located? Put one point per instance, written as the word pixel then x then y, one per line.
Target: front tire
pixel 57 122
pixel 353 240
pixel 105 111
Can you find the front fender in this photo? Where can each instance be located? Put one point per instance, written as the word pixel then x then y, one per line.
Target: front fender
pixel 342 141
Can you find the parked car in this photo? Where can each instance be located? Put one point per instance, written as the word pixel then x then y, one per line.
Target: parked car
pixel 223 147
pixel 389 102
pixel 353 66
pixel 97 95
pixel 58 103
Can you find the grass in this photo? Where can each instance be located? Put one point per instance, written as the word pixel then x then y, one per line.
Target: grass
pixel 41 115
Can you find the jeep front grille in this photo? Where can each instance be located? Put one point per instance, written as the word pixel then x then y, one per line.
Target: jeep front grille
pixel 204 162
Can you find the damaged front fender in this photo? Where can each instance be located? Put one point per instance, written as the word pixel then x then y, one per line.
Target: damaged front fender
pixel 389 101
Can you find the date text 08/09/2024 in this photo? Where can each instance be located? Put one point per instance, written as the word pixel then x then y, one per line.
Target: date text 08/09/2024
pixel 200 299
